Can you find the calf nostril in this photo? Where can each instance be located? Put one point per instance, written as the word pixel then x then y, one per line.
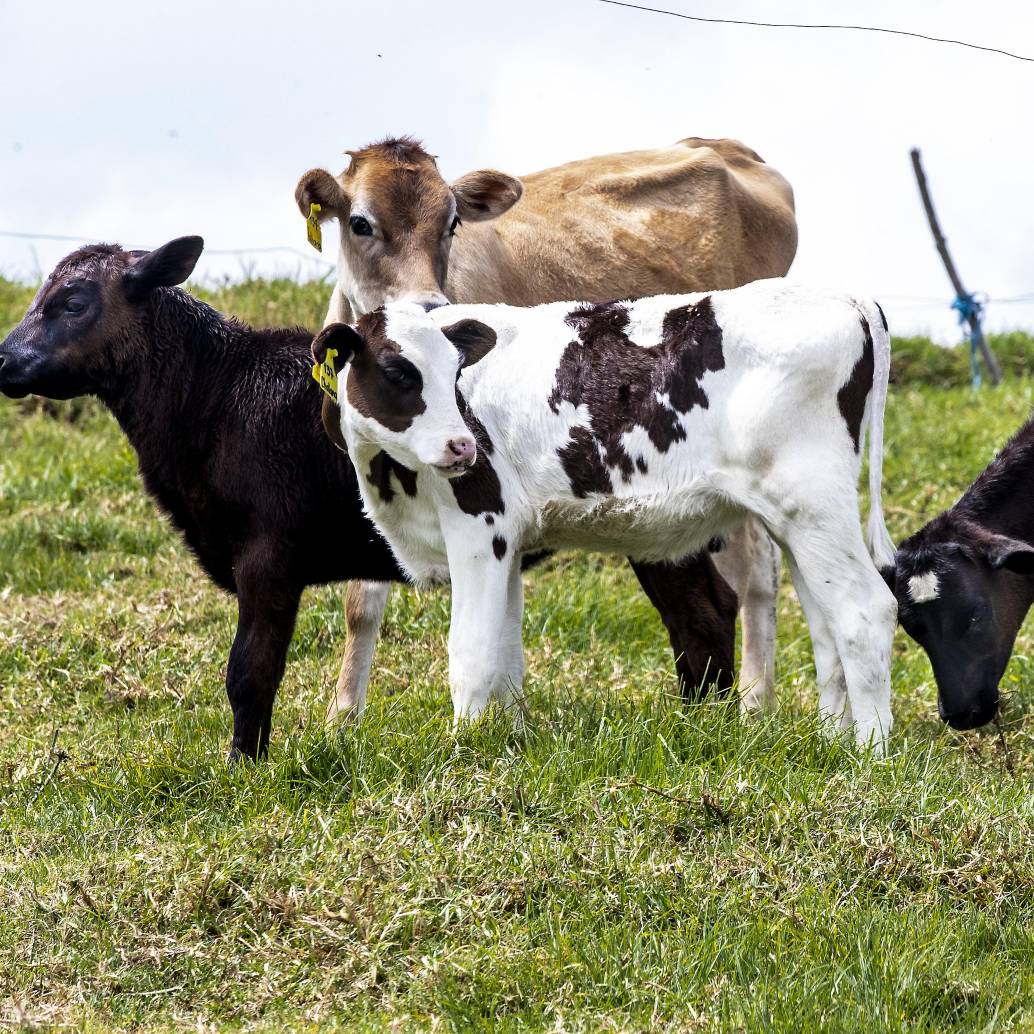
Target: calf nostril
pixel 461 448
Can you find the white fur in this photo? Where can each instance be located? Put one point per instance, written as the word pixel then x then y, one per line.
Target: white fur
pixel 924 588
pixel 770 443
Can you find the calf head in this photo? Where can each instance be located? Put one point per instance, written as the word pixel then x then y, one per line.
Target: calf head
pixel 963 592
pixel 398 217
pixel 399 389
pixel 84 324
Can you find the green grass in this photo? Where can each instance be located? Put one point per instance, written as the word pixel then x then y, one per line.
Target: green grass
pixel 618 864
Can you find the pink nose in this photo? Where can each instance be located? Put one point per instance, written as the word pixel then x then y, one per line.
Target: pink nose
pixel 462 448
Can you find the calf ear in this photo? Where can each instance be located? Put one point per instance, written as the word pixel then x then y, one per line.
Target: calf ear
pixel 485 194
pixel 166 266
pixel 1010 555
pixel 474 340
pixel 318 187
pixel 347 340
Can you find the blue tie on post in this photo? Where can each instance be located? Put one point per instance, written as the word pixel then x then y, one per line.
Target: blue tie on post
pixel 969 309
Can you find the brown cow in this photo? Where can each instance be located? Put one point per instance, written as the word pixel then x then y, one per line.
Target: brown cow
pixel 699 215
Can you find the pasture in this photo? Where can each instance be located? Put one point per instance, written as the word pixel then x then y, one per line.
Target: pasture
pixel 619 864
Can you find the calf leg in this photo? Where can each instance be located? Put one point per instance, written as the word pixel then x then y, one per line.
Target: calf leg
pixel 266 610
pixel 750 564
pixel 481 628
pixel 511 676
pixel 827 548
pixel 364 608
pixel 699 611
pixel 834 705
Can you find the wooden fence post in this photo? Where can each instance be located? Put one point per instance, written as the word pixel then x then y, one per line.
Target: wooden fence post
pixel 968 307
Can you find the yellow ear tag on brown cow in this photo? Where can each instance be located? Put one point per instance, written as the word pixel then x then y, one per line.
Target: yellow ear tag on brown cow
pixel 312 227
pixel 325 375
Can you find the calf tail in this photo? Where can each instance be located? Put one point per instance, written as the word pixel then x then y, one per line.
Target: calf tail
pixel 881 546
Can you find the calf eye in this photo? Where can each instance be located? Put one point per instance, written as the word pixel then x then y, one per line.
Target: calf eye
pixel 394 375
pixel 74 305
pixel 360 226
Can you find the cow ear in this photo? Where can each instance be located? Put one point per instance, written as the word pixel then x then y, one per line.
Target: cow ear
pixel 1010 555
pixel 166 266
pixel 318 187
pixel 472 339
pixel 347 340
pixel 485 194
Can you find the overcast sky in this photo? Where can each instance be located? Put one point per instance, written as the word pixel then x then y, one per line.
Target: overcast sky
pixel 139 122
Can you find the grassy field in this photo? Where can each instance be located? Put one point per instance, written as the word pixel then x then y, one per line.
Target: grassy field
pixel 619 864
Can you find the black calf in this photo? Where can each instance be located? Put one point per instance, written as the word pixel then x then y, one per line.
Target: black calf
pixel 964 584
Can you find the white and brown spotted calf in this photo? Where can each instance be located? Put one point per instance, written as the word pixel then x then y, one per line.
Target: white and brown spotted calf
pixel 644 428
pixel 700 214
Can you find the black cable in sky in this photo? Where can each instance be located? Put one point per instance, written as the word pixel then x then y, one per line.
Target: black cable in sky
pixel 812 25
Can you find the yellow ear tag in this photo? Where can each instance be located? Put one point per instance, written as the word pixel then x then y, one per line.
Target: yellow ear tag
pixel 312 227
pixel 325 375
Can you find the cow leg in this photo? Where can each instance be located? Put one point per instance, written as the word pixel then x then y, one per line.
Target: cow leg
pixel 364 608
pixel 266 610
pixel 826 546
pixel 750 564
pixel 834 706
pixel 699 611
pixel 481 627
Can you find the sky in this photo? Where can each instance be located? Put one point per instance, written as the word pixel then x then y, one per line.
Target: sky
pixel 137 123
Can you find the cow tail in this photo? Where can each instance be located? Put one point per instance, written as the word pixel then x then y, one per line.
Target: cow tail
pixel 881 546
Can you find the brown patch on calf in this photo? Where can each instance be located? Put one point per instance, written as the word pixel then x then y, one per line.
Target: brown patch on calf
pixel 382 467
pixel 368 391
pixel 851 397
pixel 478 491
pixel 618 382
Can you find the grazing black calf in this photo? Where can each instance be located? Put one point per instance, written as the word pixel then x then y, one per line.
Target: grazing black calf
pixel 964 584
pixel 226 422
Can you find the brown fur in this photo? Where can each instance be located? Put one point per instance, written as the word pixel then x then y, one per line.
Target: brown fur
pixel 618 382
pixel 478 491
pixel 852 396
pixel 382 469
pixel 699 215
pixel 369 392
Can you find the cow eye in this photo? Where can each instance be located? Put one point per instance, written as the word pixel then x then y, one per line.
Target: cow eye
pixel 456 223
pixel 360 226
pixel 74 305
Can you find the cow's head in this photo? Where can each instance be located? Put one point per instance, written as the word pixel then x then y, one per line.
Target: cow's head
pixel 398 391
pixel 398 217
pixel 963 592
pixel 84 323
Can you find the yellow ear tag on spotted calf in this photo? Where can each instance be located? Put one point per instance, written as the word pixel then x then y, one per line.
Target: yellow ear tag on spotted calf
pixel 312 227
pixel 325 375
